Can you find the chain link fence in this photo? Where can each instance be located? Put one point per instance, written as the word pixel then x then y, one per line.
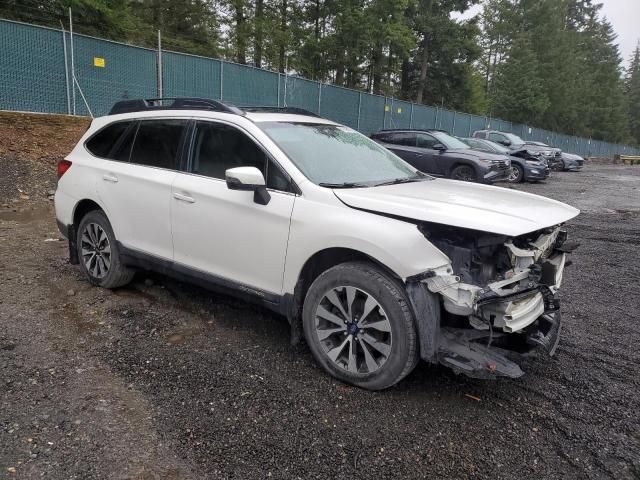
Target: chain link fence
pixel 37 67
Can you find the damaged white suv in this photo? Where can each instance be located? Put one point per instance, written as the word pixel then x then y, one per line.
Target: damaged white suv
pixel 379 264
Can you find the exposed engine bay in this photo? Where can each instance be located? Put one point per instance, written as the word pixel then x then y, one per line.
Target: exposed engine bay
pixel 497 297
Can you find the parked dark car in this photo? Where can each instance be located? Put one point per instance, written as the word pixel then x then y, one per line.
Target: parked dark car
pixel 514 142
pixel 525 167
pixel 437 153
pixel 568 161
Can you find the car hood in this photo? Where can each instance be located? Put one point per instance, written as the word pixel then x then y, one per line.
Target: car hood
pixel 466 205
pixel 538 148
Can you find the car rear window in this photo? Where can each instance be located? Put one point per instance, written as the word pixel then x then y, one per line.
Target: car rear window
pixel 110 142
pixel 157 143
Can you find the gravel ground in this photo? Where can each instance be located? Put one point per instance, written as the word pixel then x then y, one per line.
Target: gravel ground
pixel 164 380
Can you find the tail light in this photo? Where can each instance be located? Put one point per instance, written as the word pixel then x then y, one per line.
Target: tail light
pixel 63 166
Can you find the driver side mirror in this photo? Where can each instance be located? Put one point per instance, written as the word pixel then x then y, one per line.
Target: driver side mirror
pixel 439 146
pixel 248 179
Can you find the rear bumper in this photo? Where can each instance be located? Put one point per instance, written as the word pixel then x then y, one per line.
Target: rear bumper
pixel 69 232
pixel 64 229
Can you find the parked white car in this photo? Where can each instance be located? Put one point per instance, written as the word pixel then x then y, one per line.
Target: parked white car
pixel 378 263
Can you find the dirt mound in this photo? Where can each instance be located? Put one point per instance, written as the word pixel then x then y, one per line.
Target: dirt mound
pixel 30 146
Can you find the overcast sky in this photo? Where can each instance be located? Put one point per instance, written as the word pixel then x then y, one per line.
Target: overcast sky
pixel 624 15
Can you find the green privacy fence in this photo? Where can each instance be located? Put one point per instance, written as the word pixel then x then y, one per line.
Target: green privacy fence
pixel 35 76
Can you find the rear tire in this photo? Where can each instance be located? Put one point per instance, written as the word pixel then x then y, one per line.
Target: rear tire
pixel 359 326
pixel 98 252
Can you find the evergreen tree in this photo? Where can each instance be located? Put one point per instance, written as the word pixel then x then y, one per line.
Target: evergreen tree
pixel 632 91
pixel 519 93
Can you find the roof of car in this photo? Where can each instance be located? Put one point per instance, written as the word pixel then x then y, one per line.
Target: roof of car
pixel 391 130
pixel 287 117
pixel 204 108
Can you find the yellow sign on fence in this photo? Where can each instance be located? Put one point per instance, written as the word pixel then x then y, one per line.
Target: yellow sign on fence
pixel 98 62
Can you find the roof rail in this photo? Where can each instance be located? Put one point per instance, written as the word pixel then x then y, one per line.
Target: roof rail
pixel 178 103
pixel 292 110
pixel 413 130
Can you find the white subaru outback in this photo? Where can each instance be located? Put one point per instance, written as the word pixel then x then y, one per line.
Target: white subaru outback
pixel 379 264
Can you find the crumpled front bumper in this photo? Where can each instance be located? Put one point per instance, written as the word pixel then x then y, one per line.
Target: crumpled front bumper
pixel 534 173
pixel 508 319
pixel 480 355
pixel 483 354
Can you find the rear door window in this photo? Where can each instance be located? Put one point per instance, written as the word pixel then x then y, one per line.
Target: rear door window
pixel 113 142
pixel 406 139
pixel 158 142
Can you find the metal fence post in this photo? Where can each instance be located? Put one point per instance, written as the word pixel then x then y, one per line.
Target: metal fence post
pixel 66 68
pixel 411 117
pixel 73 72
pixel 384 114
pixel 453 129
pixel 221 77
pixel 159 65
pixel 319 97
pixel 359 108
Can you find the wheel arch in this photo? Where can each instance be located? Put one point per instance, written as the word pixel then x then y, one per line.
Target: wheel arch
pixel 463 163
pixel 315 265
pixel 82 208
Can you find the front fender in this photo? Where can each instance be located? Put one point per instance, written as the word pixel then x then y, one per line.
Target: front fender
pixel 394 243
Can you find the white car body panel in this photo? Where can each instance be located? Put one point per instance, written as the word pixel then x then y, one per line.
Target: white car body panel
pixel 225 233
pixel 144 193
pixel 320 221
pixel 466 205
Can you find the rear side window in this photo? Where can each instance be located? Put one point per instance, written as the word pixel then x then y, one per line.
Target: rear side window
pixel 157 143
pixel 497 137
pixel 112 142
pixel 477 145
pixel 405 139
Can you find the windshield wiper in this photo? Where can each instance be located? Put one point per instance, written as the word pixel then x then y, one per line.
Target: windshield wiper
pixel 397 181
pixel 343 185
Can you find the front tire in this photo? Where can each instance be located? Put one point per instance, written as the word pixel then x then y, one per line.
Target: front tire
pixel 359 326
pixel 464 173
pixel 516 175
pixel 98 252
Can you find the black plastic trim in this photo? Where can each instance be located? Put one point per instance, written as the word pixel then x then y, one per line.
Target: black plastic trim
pixel 179 103
pixel 64 229
pixel 145 261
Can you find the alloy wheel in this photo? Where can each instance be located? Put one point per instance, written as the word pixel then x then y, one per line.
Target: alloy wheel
pixel 514 175
pixel 96 250
pixel 353 330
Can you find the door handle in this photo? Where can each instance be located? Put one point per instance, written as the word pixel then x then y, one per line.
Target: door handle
pixel 183 198
pixel 110 178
